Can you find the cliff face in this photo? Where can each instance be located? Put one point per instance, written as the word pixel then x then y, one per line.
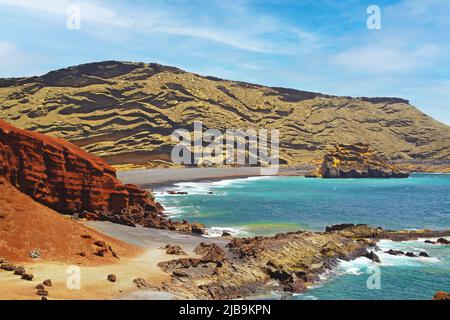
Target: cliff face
pixel 125 112
pixel 62 176
pixel 357 161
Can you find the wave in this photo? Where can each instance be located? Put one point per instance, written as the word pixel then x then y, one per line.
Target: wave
pixel 214 232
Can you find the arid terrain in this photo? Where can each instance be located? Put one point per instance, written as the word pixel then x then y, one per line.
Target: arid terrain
pixel 125 112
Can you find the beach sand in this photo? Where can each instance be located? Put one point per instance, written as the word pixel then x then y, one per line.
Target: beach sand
pixel 94 283
pixel 155 178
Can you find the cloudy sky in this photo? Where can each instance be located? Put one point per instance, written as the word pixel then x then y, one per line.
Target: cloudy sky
pixel 316 45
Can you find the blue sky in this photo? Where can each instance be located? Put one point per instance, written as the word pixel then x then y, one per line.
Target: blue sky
pixel 316 45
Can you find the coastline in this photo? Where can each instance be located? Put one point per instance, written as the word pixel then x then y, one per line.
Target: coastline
pixel 161 178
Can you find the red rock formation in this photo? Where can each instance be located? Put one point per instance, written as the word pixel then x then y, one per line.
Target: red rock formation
pixel 63 177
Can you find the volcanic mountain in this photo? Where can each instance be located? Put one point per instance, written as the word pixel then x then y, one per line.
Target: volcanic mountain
pixel 125 112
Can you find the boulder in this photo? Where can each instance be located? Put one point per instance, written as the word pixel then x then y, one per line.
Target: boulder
pixel 441 295
pixel 8 267
pixel 112 278
pixel 176 250
pixel 296 286
pixel 27 276
pixel 40 286
pixel 47 282
pixel 372 256
pixel 41 292
pixel 423 254
pixel 19 270
pixel 410 254
pixel 443 241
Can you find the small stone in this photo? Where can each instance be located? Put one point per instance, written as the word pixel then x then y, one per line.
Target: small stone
pixel 27 276
pixel 44 298
pixel 423 254
pixel 43 293
pixel 40 286
pixel 100 252
pixel 82 254
pixel 86 236
pixel 8 267
pixel 100 244
pixel 172 249
pixel 47 283
pixel 226 234
pixel 19 270
pixel 410 254
pixel 429 242
pixel 112 277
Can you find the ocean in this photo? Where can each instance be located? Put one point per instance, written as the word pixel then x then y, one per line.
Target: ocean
pixel 269 205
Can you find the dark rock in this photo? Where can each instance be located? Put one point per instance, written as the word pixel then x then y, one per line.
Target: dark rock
pixel 410 254
pixel 443 241
pixel 372 256
pixel 19 270
pixel 40 287
pixel 395 252
pixel 112 277
pixel 226 234
pixel 82 254
pixel 27 276
pixel 423 254
pixel 172 249
pixel 44 298
pixel 47 282
pixel 43 293
pixel 430 242
pixel 8 267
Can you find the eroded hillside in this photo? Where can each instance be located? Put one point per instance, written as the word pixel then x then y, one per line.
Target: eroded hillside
pixel 126 112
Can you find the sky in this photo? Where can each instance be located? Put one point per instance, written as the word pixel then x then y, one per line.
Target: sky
pixel 315 45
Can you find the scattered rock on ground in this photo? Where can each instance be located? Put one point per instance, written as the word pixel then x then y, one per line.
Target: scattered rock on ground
pixel 19 270
pixel 112 278
pixel 42 292
pixel 8 267
pixel 35 254
pixel 40 286
pixel 395 252
pixel 173 249
pixel 27 276
pixel 47 283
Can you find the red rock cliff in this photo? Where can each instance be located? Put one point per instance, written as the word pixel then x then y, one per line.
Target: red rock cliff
pixel 62 176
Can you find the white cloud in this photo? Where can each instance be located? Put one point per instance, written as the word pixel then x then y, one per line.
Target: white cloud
pixel 245 31
pixel 386 58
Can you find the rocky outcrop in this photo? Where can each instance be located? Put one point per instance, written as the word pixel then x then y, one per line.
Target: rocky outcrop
pixel 357 161
pixel 65 178
pixel 288 262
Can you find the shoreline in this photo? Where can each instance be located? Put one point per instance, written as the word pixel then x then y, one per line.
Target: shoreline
pixel 166 177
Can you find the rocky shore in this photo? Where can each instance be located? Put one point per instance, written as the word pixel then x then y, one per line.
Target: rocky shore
pixel 290 262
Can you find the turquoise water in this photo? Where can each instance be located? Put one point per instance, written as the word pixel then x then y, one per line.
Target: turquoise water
pixel 267 205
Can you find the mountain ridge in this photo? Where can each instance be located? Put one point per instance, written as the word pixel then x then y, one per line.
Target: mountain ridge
pixel 126 111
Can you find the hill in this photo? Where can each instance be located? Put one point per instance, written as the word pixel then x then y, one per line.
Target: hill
pixel 125 112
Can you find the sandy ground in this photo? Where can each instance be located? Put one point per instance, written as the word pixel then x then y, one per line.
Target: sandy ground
pixel 153 178
pixel 93 280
